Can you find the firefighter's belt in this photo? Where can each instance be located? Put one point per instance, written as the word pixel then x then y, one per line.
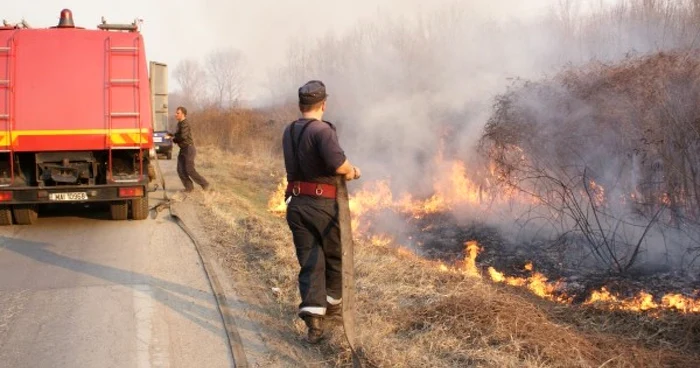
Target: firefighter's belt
pixel 297 188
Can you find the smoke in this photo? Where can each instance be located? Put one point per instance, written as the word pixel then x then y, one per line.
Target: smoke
pixel 406 90
pixel 403 87
pixel 400 84
pixel 607 145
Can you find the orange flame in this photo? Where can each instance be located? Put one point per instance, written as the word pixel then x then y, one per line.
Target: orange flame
pixel 470 268
pixel 644 301
pixel 537 284
pixel 680 303
pixel 381 240
pixel 372 196
pixel 597 193
pixel 455 189
pixel 276 202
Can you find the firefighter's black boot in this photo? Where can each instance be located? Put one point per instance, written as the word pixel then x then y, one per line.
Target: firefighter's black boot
pixel 315 325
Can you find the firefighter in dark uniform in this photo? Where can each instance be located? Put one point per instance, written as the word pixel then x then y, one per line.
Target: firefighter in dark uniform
pixel 185 159
pixel 313 158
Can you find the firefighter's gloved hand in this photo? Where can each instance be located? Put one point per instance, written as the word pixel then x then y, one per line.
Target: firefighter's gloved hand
pixel 353 174
pixel 356 173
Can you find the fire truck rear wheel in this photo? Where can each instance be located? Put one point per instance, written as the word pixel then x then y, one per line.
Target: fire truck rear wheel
pixel 25 214
pixel 119 210
pixel 5 216
pixel 139 208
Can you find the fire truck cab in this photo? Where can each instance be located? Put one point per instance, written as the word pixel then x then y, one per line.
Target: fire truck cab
pixel 76 118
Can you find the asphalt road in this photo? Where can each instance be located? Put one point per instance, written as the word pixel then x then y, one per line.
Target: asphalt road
pixel 79 290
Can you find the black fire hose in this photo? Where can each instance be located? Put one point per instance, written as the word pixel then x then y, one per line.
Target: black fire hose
pixel 234 338
pixel 348 266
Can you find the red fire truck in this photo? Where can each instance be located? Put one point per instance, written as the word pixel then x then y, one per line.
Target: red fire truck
pixel 76 114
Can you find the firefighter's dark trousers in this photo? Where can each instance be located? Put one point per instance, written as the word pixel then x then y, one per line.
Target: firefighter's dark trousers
pixel 316 233
pixel 186 170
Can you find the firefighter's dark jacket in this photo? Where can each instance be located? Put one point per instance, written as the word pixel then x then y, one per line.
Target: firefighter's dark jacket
pixel 318 152
pixel 183 135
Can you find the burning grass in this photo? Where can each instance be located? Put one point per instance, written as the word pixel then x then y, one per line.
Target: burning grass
pixel 415 312
pixel 438 235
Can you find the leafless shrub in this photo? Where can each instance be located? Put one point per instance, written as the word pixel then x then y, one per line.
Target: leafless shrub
pixel 610 151
pixel 253 132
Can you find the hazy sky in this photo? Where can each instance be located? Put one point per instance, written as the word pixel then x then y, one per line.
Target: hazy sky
pixel 262 29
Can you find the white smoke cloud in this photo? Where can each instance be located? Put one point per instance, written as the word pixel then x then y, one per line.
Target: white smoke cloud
pixel 405 90
pixel 262 30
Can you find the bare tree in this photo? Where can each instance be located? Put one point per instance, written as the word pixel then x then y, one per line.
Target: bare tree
pixel 192 79
pixel 567 13
pixel 225 69
pixel 300 66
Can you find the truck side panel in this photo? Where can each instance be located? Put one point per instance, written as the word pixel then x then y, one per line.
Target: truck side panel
pixel 80 79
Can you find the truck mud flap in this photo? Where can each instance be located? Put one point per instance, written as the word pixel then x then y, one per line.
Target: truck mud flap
pixel 348 265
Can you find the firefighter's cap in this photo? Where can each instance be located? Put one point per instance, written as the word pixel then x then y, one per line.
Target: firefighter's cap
pixel 312 92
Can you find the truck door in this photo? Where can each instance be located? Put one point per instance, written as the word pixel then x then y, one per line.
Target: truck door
pixel 158 74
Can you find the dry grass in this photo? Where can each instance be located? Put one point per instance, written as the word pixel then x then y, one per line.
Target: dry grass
pixel 249 132
pixel 413 315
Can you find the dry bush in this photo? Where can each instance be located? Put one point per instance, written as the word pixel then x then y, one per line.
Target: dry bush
pixel 252 132
pixel 611 151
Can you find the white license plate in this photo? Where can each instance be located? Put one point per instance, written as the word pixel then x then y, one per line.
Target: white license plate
pixel 158 139
pixel 72 196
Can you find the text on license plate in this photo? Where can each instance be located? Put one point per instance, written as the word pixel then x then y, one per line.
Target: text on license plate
pixel 72 196
pixel 158 139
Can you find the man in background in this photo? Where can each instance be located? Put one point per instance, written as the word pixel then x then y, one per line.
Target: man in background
pixel 185 159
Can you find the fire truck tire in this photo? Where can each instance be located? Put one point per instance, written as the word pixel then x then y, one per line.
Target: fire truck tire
pixel 5 216
pixel 25 215
pixel 119 210
pixel 139 208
